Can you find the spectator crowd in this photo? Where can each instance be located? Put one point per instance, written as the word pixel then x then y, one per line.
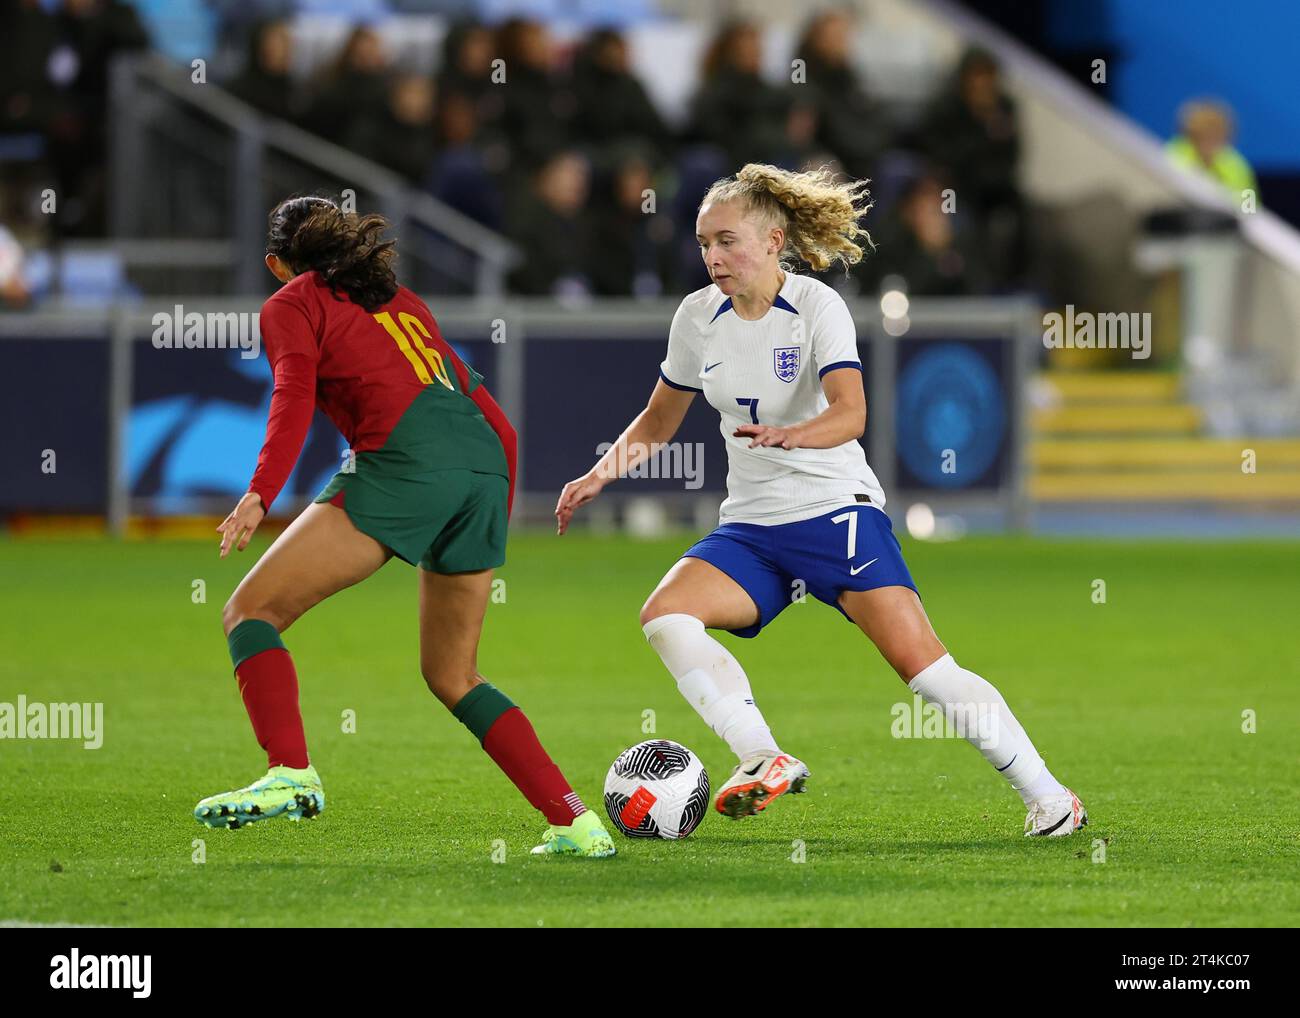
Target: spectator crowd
pixel 559 146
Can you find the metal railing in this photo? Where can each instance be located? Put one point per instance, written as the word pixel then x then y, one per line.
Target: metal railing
pixel 236 163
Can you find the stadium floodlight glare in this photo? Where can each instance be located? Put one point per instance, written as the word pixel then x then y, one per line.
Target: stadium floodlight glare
pixel 894 304
pixel 897 326
pixel 920 521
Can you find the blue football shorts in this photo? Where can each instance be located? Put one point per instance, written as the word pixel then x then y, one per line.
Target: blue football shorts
pixel 853 548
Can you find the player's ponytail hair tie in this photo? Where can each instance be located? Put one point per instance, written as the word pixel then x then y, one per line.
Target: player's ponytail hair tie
pixel 818 213
pixel 312 233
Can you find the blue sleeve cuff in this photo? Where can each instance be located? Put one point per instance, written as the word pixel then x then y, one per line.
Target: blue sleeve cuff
pixel 684 388
pixel 838 364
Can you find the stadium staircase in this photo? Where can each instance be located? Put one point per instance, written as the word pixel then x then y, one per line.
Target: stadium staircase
pixel 1131 436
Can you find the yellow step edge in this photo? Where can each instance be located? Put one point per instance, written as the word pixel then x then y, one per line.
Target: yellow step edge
pixel 1111 420
pixel 1114 385
pixel 1046 453
pixel 1215 486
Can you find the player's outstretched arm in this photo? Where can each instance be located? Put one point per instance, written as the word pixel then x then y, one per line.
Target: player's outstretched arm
pixel 654 425
pixel 292 407
pixel 845 419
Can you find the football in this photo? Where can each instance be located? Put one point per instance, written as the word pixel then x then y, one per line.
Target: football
pixel 657 789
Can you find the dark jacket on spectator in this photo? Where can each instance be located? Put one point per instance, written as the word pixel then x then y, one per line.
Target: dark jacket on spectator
pixel 27 97
pixel 742 114
pixel 404 148
pixel 557 247
pixel 849 125
pixel 959 270
pixel 343 102
pixel 112 28
pixel 613 109
pixel 633 251
pixel 980 157
pixel 537 116
pixel 276 95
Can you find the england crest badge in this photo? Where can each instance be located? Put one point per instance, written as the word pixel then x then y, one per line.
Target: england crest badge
pixel 785 362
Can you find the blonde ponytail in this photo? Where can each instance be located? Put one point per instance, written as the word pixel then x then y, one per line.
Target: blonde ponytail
pixel 819 215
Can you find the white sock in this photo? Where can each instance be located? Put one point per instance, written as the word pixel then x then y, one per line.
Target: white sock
pixel 979 714
pixel 712 681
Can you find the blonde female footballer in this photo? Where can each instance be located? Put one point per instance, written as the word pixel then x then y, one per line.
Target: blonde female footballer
pixel 775 353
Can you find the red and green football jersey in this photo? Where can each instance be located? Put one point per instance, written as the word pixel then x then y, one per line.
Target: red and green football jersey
pixel 365 371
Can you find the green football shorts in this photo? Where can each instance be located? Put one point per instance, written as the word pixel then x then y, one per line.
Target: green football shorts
pixel 446 521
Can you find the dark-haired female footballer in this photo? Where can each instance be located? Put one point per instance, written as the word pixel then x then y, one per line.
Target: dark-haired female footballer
pixel 775 353
pixel 433 484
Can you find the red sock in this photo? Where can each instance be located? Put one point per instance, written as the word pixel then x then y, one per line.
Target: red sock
pixel 513 744
pixel 269 686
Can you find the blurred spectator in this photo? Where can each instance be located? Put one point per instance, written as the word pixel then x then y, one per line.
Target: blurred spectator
pixel 462 173
pixel 549 223
pixel 848 123
pixel 354 89
pixel 735 108
pixel 88 35
pixel 93 32
pixel 631 238
pixel 801 147
pixel 696 169
pixel 27 98
pixel 401 137
pixel 927 246
pixel 1205 146
pixel 971 131
pixel 265 82
pixel 613 107
pixel 467 53
pixel 13 284
pixel 539 104
pixel 236 21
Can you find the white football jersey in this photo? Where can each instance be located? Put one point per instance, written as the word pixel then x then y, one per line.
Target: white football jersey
pixel 769 372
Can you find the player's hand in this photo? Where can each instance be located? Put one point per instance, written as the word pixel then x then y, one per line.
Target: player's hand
pixel 237 528
pixel 576 493
pixel 762 435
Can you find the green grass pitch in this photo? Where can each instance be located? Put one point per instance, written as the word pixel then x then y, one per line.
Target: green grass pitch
pixel 1137 703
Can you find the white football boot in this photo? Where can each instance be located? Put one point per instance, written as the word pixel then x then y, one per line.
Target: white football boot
pixel 757 781
pixel 1055 816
